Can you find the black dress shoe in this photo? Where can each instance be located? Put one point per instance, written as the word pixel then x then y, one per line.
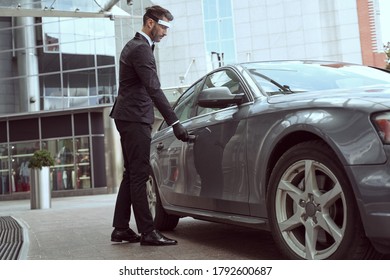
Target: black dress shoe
pixel 125 235
pixel 155 238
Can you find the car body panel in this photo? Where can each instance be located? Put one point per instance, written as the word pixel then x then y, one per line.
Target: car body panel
pixel 210 157
pixel 372 189
pixel 235 149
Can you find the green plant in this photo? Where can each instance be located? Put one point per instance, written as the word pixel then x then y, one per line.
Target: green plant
pixel 41 158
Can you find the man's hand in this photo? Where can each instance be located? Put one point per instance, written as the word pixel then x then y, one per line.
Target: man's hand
pixel 180 132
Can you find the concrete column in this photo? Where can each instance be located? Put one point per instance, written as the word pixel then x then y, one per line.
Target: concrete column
pixel 27 63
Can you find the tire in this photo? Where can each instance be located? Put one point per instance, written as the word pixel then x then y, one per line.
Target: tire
pixel 162 220
pixel 311 206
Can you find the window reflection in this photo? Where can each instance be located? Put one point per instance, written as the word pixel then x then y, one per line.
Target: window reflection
pixel 72 164
pixel 4 170
pixel 72 169
pixel 186 103
pixel 80 52
pixel 83 163
pixel 20 173
pixel 219 29
pixel 49 62
pixel 51 43
pixel 63 173
pixel 68 139
pixel 107 85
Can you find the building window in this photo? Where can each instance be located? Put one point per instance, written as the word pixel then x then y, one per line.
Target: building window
pixel 20 173
pixel 4 170
pixel 74 139
pixel 219 31
pixel 72 163
pixel 77 62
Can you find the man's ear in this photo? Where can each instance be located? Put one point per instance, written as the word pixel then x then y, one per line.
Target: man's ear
pixel 149 23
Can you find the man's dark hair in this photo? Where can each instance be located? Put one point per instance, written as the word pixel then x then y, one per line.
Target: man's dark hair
pixel 156 12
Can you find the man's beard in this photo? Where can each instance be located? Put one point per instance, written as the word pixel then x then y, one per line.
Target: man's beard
pixel 154 33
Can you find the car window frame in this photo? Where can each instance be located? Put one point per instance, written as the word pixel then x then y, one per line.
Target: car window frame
pixel 245 87
pixel 241 81
pixel 182 98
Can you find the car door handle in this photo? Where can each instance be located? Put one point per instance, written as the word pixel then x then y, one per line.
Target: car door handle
pixel 160 146
pixel 191 138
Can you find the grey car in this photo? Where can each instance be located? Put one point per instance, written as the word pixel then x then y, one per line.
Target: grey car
pixel 300 148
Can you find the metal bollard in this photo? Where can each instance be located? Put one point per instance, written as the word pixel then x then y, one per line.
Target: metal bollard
pixel 40 193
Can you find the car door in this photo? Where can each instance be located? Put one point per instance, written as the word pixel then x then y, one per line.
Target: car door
pixel 215 161
pixel 167 158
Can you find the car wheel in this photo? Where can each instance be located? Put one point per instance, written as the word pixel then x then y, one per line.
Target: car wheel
pixel 311 206
pixel 162 220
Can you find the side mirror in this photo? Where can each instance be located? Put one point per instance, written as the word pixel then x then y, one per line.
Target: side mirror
pixel 219 97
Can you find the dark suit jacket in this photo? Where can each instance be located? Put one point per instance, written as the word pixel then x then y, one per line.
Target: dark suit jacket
pixel 139 85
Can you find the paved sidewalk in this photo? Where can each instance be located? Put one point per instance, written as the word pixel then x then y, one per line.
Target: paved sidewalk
pixel 75 228
pixel 79 228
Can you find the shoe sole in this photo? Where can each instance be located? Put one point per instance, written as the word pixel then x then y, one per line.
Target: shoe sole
pixel 157 244
pixel 121 240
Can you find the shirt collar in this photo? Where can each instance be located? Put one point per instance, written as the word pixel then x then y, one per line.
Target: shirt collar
pixel 147 37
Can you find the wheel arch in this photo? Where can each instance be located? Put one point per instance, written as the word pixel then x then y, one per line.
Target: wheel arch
pixel 284 144
pixel 293 138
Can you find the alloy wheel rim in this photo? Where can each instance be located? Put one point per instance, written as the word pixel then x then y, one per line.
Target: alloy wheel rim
pixel 311 210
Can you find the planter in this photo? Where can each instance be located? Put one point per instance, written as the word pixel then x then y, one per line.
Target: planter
pixel 40 194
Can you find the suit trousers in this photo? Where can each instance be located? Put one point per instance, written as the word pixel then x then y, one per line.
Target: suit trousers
pixel 135 141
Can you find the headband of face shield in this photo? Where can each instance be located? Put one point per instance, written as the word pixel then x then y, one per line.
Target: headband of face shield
pixel 159 21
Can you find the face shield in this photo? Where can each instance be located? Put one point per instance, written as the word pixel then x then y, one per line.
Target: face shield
pixel 159 21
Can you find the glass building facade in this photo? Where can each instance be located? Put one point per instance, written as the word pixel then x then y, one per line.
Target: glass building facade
pixel 219 30
pixel 70 62
pixel 75 138
pixel 77 63
pixel 57 78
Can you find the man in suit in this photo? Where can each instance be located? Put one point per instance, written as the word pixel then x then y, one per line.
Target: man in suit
pixel 139 90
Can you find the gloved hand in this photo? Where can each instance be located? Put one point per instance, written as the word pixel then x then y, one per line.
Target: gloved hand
pixel 180 132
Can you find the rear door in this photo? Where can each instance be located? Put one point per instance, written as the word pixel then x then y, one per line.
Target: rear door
pixel 167 157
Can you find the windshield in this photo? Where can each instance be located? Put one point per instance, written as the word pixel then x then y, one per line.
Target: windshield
pixel 292 77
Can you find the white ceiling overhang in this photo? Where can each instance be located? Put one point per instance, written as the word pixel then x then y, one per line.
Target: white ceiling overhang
pixel 62 8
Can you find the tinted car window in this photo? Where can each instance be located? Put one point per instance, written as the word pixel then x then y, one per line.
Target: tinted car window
pixel 272 77
pixel 224 78
pixel 186 103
